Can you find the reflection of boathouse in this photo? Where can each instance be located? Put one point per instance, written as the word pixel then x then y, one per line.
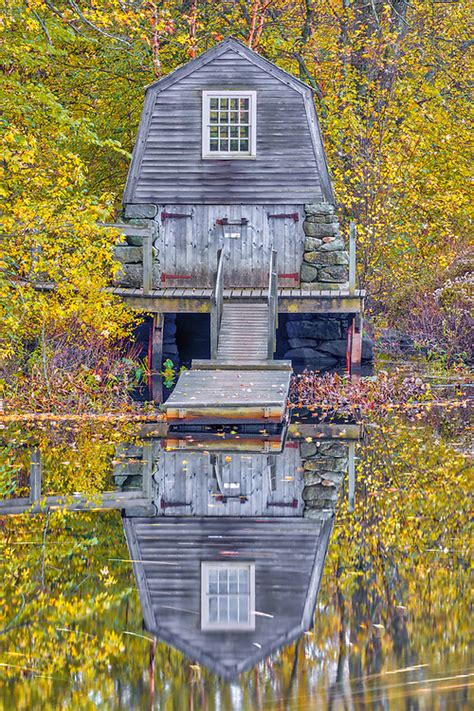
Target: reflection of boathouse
pixel 228 570
pixel 228 534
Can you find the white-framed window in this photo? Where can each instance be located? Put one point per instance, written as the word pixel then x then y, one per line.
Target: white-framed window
pixel 229 124
pixel 227 596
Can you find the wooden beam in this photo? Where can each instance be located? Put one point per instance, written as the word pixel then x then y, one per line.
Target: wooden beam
pixel 156 357
pixel 352 258
pixel 356 348
pixel 35 475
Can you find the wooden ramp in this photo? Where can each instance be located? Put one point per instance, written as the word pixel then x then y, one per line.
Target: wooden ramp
pixel 226 394
pixel 243 334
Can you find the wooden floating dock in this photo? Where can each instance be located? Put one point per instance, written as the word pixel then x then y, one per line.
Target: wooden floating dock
pixel 225 394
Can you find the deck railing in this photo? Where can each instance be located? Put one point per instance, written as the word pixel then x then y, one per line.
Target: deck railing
pixel 217 301
pixel 272 305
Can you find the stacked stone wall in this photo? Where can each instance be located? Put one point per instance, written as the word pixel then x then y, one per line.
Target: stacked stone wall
pixel 129 251
pixel 325 463
pixel 325 259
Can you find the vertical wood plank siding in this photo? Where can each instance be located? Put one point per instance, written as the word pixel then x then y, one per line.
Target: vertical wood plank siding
pixel 171 169
pixel 188 246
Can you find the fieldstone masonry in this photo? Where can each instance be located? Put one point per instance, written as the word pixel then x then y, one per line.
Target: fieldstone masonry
pixel 129 251
pixel 325 260
pixel 325 463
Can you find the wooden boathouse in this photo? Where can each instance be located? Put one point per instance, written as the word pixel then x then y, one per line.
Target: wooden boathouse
pixel 229 210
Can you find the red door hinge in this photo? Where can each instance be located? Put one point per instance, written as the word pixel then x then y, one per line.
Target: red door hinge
pixel 174 215
pixel 164 276
pixel 281 216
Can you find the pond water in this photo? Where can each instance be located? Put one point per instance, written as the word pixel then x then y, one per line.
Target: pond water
pixel 323 567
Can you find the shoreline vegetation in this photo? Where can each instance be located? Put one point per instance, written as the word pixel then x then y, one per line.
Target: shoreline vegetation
pixel 391 92
pixel 108 395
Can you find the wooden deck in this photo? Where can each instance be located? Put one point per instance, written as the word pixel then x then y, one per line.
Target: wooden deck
pixel 195 300
pixel 230 395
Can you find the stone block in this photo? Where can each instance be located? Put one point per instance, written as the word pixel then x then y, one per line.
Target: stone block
pixel 333 449
pixel 315 329
pixel 311 479
pixel 333 274
pixel 336 348
pixel 314 229
pixel 308 273
pixel 320 492
pixel 146 211
pixel 312 243
pixel 333 246
pixel 128 255
pixel 367 348
pixel 321 219
pixel 308 449
pixel 131 275
pixel 319 208
pixel 135 240
pixel 326 464
pixel 327 259
pixel 303 343
pixel 314 358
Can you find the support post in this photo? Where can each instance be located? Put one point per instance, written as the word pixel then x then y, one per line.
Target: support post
pixel 352 258
pixel 356 345
pixel 155 358
pixel 147 262
pixel 35 475
pixel 351 476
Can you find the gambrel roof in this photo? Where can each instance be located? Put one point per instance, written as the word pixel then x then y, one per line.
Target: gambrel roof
pixel 216 51
pixel 289 557
pixel 167 166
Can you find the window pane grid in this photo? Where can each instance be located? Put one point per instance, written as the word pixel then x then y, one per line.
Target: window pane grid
pixel 228 596
pixel 229 124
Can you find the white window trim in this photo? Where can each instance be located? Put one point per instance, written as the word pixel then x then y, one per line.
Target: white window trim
pixel 252 153
pixel 219 626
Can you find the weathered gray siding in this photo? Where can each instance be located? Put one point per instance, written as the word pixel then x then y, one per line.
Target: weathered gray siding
pixel 188 246
pixel 289 557
pixel 195 479
pixel 168 167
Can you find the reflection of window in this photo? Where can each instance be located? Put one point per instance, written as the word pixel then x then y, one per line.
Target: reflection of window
pixel 227 596
pixel 228 124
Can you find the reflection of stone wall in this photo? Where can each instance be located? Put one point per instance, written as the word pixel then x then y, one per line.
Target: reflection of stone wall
pixel 325 260
pixel 325 463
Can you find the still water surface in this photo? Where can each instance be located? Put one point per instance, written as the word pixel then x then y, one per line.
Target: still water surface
pixel 321 568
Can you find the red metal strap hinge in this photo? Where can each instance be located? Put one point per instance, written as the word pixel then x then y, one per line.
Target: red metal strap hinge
pixel 164 276
pixel 174 215
pixel 281 216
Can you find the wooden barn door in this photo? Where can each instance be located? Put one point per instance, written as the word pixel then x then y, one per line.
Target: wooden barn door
pixel 285 225
pixel 243 234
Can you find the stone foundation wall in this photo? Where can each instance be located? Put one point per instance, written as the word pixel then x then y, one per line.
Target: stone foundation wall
pixel 318 341
pixel 325 260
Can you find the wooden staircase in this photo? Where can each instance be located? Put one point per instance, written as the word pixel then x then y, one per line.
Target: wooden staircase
pixel 241 382
pixel 243 335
